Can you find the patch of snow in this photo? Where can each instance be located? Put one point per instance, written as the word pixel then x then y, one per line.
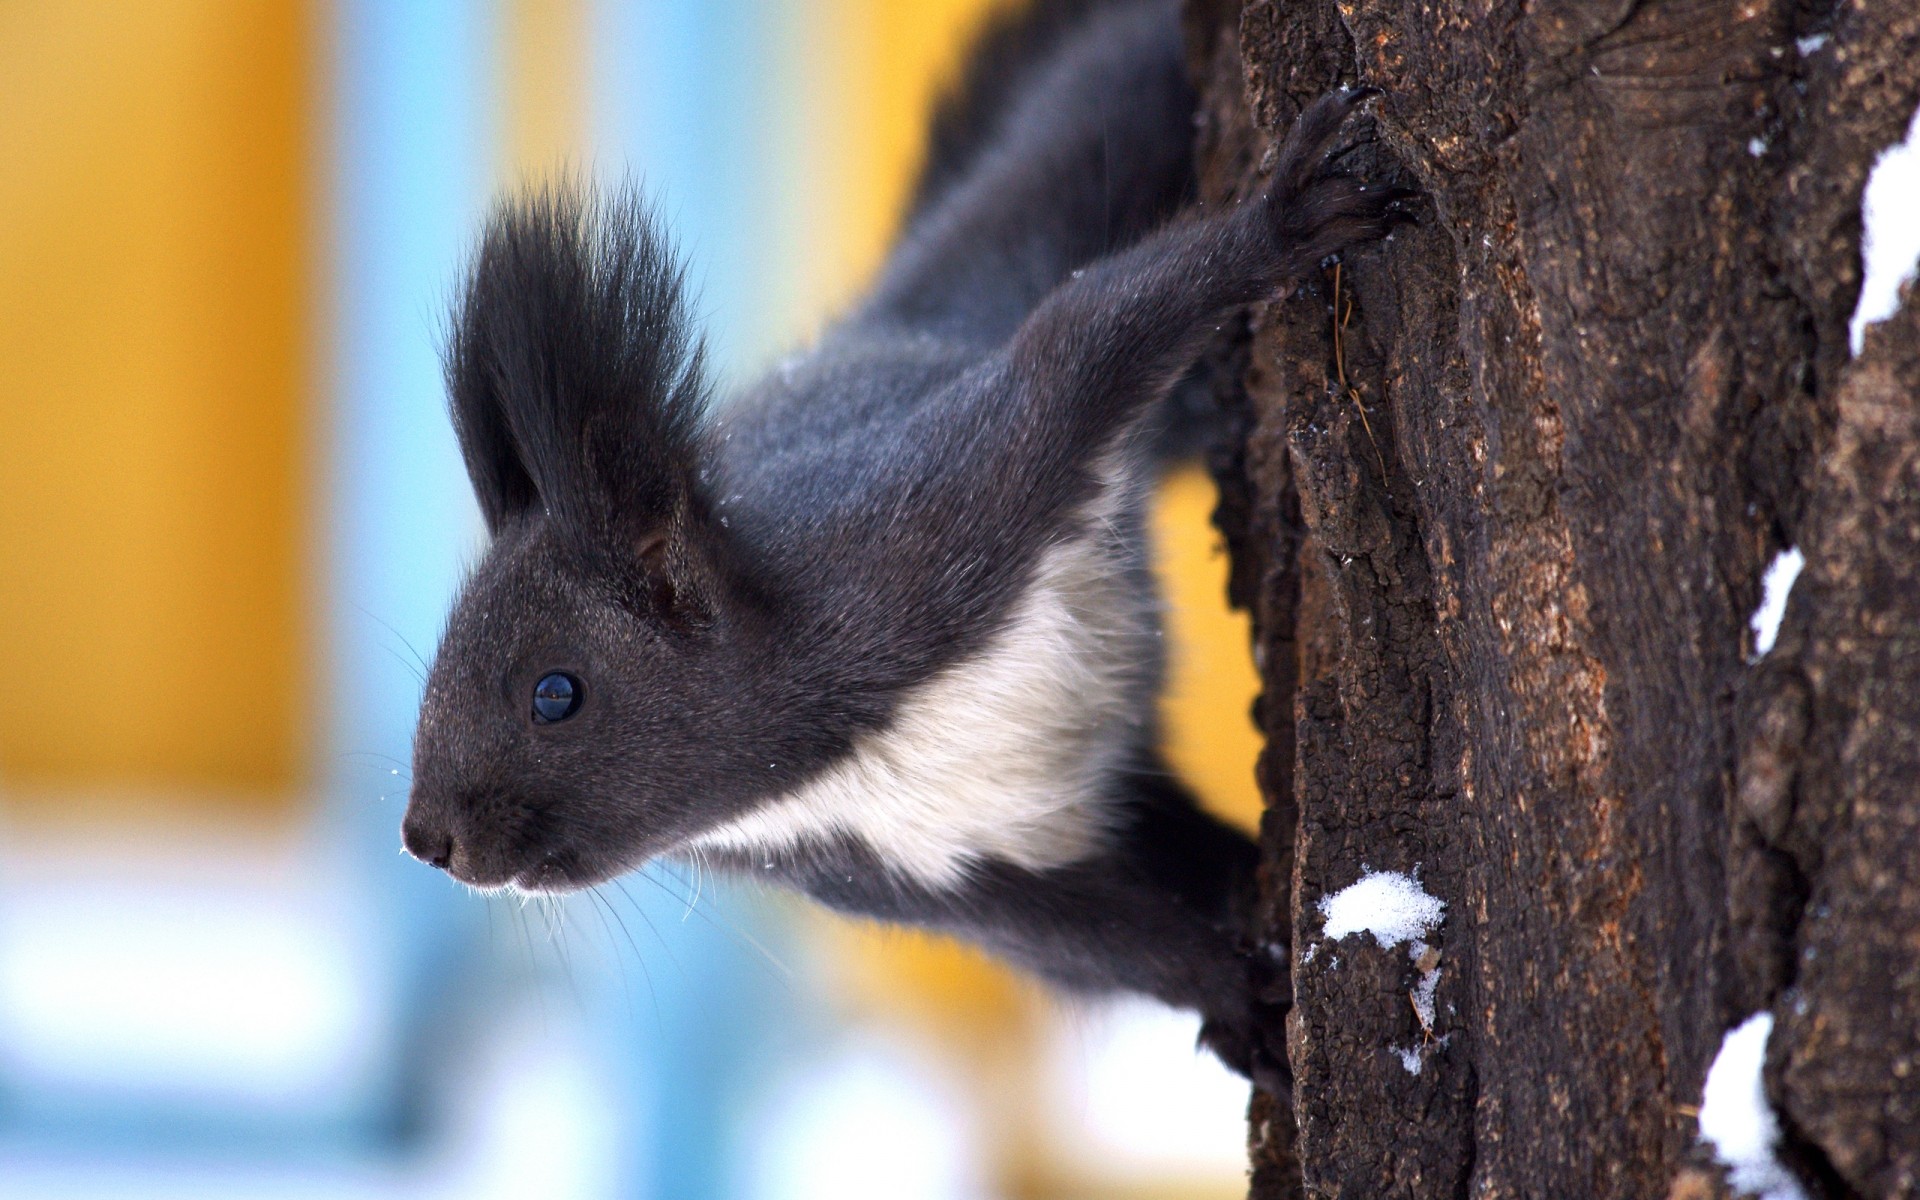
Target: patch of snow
pixel 1812 44
pixel 1393 907
pixel 1413 1059
pixel 1775 586
pixel 1757 147
pixel 1737 1120
pixel 1890 234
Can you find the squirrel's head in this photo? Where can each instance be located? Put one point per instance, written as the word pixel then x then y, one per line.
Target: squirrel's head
pixel 575 714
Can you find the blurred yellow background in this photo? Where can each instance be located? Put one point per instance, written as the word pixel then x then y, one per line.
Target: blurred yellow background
pixel 158 244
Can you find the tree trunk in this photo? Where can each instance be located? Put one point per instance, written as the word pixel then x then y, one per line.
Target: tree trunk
pixel 1504 492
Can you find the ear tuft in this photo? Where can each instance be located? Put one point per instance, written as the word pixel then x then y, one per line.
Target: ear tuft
pixel 573 368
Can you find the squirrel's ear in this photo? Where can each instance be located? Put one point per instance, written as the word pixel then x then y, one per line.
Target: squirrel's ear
pixel 574 368
pixel 674 583
pixel 500 479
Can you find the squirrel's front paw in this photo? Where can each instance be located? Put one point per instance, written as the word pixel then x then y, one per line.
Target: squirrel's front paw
pixel 1315 212
pixel 1250 1037
pixel 1254 1048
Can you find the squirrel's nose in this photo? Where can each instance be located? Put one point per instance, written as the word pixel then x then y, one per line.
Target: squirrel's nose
pixel 431 846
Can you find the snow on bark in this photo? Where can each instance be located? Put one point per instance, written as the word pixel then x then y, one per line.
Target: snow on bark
pixel 1737 1120
pixel 1775 586
pixel 1393 907
pixel 1890 237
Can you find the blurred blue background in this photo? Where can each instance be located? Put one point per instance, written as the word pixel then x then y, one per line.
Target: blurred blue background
pixel 231 521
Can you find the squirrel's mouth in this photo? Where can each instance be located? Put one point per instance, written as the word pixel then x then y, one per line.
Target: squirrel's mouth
pixel 549 876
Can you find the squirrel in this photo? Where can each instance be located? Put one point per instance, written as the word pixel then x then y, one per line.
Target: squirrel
pixel 881 629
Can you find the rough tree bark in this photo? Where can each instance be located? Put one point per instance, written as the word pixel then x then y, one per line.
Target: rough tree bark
pixel 1503 496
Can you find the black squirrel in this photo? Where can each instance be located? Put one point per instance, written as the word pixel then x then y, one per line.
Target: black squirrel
pixel 883 628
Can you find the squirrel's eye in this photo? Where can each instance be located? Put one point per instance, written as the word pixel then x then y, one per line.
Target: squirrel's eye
pixel 556 697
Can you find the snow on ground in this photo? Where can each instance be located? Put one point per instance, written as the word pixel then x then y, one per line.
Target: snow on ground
pixel 1737 1120
pixel 1391 906
pixel 1775 586
pixel 1890 240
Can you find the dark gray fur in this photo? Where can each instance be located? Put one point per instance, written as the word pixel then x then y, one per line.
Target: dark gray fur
pixel 747 596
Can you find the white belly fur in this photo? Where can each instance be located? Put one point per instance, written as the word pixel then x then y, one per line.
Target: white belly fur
pixel 1002 755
